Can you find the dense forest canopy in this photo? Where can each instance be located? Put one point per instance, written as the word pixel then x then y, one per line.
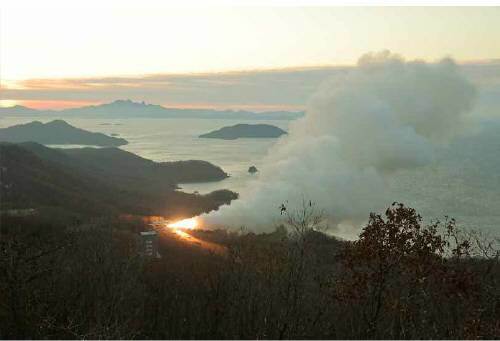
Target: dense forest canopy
pixel 401 279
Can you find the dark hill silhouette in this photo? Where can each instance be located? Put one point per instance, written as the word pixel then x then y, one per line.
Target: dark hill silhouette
pixel 245 131
pixel 127 169
pixel 34 176
pixel 56 132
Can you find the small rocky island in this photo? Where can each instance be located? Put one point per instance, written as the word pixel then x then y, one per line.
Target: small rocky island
pixel 57 132
pixel 245 131
pixel 252 170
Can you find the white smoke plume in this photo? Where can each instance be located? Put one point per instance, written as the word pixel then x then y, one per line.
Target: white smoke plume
pixel 385 114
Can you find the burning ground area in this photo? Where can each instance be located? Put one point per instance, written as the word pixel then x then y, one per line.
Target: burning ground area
pixel 187 234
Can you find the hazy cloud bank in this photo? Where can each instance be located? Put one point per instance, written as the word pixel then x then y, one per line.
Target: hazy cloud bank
pixel 255 90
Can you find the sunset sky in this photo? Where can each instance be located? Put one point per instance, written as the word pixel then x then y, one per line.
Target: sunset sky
pixel 54 56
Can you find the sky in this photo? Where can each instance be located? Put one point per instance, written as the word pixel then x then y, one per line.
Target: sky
pixel 56 56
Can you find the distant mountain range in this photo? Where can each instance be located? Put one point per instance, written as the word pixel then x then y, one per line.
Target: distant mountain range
pixel 130 109
pixel 56 132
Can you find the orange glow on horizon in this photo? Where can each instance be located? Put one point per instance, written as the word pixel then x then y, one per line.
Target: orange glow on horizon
pixel 62 104
pixel 54 105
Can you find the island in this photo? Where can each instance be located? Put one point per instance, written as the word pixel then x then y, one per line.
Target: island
pixel 57 132
pixel 245 131
pixel 252 169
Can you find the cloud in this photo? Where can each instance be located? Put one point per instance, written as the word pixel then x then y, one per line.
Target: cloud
pixel 260 89
pixel 288 88
pixel 385 115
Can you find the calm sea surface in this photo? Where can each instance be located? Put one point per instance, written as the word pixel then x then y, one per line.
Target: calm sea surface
pixel 177 139
pixel 463 182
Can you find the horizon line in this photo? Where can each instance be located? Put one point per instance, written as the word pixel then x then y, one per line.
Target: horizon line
pixel 178 106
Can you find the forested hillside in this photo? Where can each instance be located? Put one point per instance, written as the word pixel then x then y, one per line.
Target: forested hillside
pixel 401 279
pixel 101 181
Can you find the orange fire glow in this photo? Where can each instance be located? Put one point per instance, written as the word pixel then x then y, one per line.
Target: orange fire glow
pixel 190 223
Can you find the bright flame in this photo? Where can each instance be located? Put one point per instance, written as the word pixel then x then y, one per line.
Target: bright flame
pixel 189 223
pixel 183 235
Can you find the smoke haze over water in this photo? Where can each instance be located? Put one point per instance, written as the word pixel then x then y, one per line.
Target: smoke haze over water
pixel 385 115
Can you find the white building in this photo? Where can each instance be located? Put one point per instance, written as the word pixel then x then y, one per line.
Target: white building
pixel 149 244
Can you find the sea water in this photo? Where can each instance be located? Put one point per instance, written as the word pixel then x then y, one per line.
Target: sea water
pixel 177 139
pixel 463 181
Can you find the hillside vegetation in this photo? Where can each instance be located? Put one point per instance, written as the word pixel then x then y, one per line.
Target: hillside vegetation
pixel 102 181
pixel 401 279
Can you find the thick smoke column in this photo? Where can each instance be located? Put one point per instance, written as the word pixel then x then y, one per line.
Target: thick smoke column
pixel 385 114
